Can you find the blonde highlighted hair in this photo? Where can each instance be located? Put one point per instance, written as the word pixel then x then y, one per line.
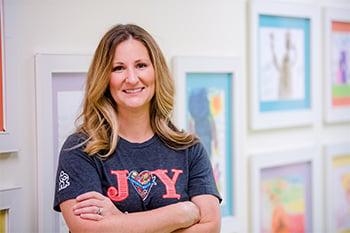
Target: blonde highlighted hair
pixel 99 117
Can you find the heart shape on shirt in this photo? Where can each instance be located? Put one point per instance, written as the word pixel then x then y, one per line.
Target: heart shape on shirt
pixel 142 182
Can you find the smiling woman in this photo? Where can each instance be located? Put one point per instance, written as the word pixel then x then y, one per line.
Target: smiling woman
pixel 127 156
pixel 132 83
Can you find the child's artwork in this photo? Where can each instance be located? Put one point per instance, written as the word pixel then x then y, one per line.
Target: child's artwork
pixel 209 116
pixel 286 198
pixel 284 53
pixel 340 64
pixel 340 186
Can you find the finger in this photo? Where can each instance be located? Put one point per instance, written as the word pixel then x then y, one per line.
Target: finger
pixel 87 203
pixel 94 217
pixel 86 210
pixel 90 195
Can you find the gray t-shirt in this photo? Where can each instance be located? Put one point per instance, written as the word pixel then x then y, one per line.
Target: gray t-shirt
pixel 137 176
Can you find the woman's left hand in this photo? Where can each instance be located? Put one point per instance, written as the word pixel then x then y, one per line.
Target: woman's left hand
pixel 94 206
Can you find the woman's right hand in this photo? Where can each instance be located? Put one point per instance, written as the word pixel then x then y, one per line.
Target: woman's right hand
pixel 94 206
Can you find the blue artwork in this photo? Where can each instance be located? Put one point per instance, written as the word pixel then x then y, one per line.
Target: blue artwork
pixel 208 114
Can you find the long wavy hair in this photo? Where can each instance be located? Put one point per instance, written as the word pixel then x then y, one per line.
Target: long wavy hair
pixel 99 116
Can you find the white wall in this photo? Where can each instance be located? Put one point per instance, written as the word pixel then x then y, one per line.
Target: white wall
pixel 182 27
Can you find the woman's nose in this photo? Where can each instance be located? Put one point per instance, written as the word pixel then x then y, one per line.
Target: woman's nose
pixel 132 76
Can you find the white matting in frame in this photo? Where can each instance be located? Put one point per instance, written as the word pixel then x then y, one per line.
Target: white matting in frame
pixel 283 46
pixel 286 189
pixel 337 64
pixel 214 86
pixel 59 85
pixel 337 167
pixel 11 204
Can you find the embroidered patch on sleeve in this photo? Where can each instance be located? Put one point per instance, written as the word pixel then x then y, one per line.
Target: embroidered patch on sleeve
pixel 63 180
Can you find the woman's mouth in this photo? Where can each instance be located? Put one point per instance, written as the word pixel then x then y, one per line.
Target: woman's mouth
pixel 133 91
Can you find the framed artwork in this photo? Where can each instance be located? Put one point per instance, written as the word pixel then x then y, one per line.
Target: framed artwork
pixel 337 165
pixel 337 64
pixel 282 67
pixel 10 210
pixel 286 191
pixel 2 76
pixel 60 80
pixel 7 89
pixel 207 93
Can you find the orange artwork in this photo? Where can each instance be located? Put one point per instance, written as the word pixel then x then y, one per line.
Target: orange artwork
pixel 2 112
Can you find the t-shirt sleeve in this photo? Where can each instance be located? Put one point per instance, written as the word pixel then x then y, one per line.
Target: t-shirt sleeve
pixel 201 179
pixel 76 172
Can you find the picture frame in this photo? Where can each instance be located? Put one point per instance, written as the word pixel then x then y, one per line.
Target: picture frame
pixel 213 86
pixel 8 85
pixel 286 190
pixel 282 64
pixel 59 77
pixel 337 64
pixel 337 174
pixel 11 204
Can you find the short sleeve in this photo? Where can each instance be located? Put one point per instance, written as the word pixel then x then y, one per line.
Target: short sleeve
pixel 76 172
pixel 201 179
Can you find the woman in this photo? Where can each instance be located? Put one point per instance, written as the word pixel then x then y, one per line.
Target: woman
pixel 128 168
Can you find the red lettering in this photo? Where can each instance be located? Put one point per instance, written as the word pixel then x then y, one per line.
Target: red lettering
pixel 122 192
pixel 169 183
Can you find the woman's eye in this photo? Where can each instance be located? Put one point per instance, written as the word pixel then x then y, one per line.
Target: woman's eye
pixel 141 65
pixel 117 68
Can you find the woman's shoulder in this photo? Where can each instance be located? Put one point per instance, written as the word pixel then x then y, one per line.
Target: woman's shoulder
pixel 76 139
pixel 196 149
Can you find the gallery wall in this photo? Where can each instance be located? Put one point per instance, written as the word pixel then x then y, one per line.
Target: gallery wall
pixel 182 28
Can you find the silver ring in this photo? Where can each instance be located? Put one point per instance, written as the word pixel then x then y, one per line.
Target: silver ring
pixel 99 210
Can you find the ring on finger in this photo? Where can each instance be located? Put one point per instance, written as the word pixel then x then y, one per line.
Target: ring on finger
pixel 99 210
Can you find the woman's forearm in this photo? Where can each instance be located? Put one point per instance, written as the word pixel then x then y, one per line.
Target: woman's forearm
pixel 210 221
pixel 162 220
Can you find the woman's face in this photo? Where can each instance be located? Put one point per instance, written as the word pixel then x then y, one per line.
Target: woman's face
pixel 132 82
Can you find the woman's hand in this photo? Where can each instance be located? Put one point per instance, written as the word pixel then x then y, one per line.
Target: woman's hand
pixel 94 206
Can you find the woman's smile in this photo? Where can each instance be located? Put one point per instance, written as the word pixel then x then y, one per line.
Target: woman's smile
pixel 132 82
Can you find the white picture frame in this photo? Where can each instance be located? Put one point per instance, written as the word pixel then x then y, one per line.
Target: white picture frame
pixel 8 104
pixel 10 202
pixel 290 176
pixel 337 173
pixel 282 94
pixel 195 68
pixel 337 80
pixel 66 68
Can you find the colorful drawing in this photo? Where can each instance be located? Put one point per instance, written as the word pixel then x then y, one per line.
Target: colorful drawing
pixel 284 200
pixel 283 63
pixel 340 64
pixel 341 188
pixel 209 116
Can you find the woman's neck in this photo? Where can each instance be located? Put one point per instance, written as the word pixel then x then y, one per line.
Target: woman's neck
pixel 135 127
